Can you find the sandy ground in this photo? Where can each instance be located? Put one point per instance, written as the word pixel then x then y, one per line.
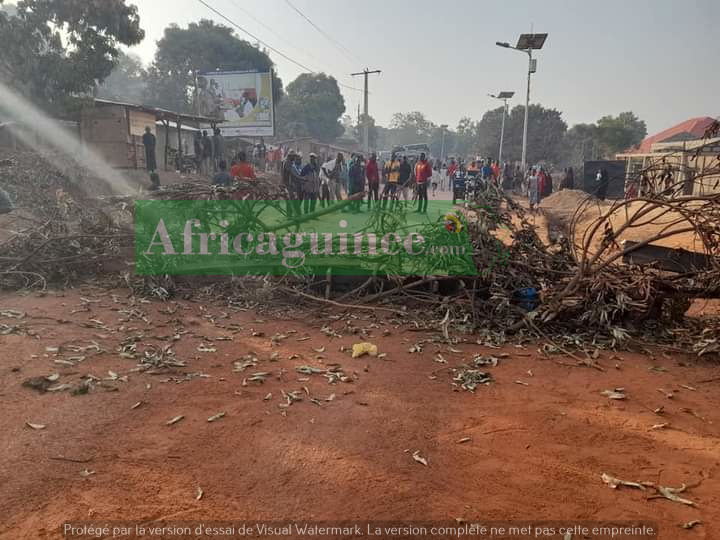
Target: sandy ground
pixel 561 206
pixel 536 451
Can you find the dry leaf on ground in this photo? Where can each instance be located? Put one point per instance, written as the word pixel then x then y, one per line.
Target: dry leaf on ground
pixel 417 457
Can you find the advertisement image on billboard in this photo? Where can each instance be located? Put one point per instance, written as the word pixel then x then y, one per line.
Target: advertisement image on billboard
pixel 242 99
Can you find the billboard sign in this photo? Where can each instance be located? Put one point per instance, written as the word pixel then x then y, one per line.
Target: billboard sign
pixel 242 99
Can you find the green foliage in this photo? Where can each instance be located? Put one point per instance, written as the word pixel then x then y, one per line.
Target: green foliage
pixel 581 145
pixel 55 49
pixel 127 82
pixel 466 141
pixel 546 134
pixel 359 131
pixel 602 140
pixel 201 47
pixel 621 132
pixel 313 106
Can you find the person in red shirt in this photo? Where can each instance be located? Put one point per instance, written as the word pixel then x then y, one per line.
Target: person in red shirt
pixel 373 179
pixel 542 179
pixel 452 169
pixel 242 170
pixel 495 171
pixel 423 173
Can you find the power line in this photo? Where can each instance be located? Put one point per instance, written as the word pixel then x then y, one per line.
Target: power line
pixel 344 49
pixel 269 29
pixel 273 49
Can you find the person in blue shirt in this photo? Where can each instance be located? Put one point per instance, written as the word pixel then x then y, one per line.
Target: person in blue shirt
pixel 222 177
pixel 487 171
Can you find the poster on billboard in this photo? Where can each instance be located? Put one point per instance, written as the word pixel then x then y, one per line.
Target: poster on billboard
pixel 242 99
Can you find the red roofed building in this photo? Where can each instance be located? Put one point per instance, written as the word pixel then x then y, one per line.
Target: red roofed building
pixel 689 130
pixel 688 151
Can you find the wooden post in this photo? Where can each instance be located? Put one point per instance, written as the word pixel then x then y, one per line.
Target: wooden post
pixel 131 137
pixel 180 148
pixel 166 123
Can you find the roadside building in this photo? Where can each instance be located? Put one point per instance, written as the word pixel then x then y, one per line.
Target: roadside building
pixel 684 151
pixel 114 129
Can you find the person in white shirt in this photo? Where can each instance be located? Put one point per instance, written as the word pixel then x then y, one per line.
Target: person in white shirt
pixel 533 189
pixel 330 188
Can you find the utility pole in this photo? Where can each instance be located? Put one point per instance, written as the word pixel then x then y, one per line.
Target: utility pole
pixel 366 119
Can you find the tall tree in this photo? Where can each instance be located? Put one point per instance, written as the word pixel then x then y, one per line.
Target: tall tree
pixel 412 127
pixel 127 82
pixel 466 141
pixel 53 50
pixel 619 133
pixel 546 134
pixel 602 140
pixel 372 131
pixel 581 144
pixel 201 47
pixel 313 106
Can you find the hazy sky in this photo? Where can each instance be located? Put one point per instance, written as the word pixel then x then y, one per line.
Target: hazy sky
pixel 658 58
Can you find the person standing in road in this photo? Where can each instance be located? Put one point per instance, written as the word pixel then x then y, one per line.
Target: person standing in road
pixel 330 174
pixel 533 189
pixel 311 184
pixel 518 180
pixel 149 143
pixel 569 181
pixel 198 149
pixel 405 177
pixel 392 173
pixel 603 180
pixel 218 146
pixel 452 169
pixel 495 172
pixel 261 155
pixel 292 182
pixel 207 152
pixel 373 179
pixel 423 174
pixel 444 175
pixel 357 181
pixel 548 184
pixel 486 173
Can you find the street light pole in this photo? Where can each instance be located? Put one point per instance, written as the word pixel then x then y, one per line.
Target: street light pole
pixel 502 131
pixel 526 43
pixel 504 96
pixel 527 113
pixel 442 146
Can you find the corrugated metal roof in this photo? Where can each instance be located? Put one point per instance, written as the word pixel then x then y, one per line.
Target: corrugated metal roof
pixel 694 128
pixel 157 111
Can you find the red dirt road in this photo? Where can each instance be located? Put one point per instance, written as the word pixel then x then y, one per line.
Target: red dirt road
pixel 537 452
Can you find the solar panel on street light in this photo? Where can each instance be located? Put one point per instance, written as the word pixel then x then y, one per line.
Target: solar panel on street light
pixel 505 95
pixel 531 41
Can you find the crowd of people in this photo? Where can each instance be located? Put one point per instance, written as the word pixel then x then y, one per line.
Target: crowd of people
pixel 354 178
pixel 316 181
